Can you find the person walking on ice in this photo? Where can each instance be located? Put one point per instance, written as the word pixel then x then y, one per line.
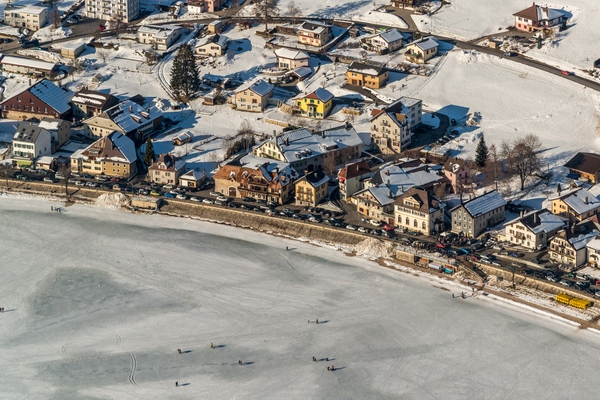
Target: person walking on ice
pixel 212 345
pixel 179 351
pixel 176 383
pixel 286 248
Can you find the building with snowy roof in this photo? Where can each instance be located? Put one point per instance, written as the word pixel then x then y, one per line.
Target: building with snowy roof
pixel 42 99
pixel 569 246
pixel 311 189
pixel 534 229
pixel 383 43
pixel 575 204
pixel 161 37
pixel 392 127
pixel 477 214
pixel 253 96
pixel 166 170
pixel 213 46
pixel 113 155
pixel 291 58
pixel 585 166
pixel 306 150
pixel 360 74
pixel 30 17
pixel 314 33
pixel 29 142
pixel 129 118
pixel 418 210
pixel 420 51
pixel 536 17
pixel 28 66
pixel 89 103
pixel 351 176
pixel 191 179
pixel 317 104
pixel 60 131
pixel 459 174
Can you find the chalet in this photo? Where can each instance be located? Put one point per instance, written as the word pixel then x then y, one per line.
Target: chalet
pixel 253 97
pixel 267 181
pixel 316 104
pixel 383 43
pixel 533 230
pixel 420 51
pixel 291 59
pixel 29 17
pixel 166 170
pixel 161 37
pixel 30 142
pixel 183 138
pixel 113 155
pixel 28 66
pixel 479 213
pixel 536 18
pixel 458 173
pixel 214 45
pixel 311 188
pixel 569 246
pixel 575 204
pixel 89 103
pixel 351 176
pixel 191 179
pixel 392 127
pixel 314 33
pixel 418 210
pixel 360 74
pixel 42 99
pixel 585 166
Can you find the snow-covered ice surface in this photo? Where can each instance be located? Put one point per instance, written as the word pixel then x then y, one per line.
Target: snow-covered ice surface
pixel 97 302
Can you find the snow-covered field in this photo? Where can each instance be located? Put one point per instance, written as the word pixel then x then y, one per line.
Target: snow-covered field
pixel 98 301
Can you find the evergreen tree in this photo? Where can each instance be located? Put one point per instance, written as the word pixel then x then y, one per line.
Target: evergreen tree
pixel 481 154
pixel 184 75
pixel 149 155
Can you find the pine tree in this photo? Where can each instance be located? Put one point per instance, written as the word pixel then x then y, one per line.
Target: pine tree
pixel 149 155
pixel 481 154
pixel 184 75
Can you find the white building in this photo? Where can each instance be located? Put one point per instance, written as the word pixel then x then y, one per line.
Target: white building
pixel 291 59
pixel 125 10
pixel 422 50
pixel 384 43
pixel 30 17
pixel 214 45
pixel 30 141
pixel 534 229
pixel 161 37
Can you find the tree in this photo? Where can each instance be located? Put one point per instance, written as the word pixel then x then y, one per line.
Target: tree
pixel 65 171
pixel 184 74
pixel 103 54
pixel 293 11
pixel 363 54
pixel 54 17
pixel 481 154
pixel 149 155
pixel 118 25
pixel 493 167
pixel 522 157
pixel 265 10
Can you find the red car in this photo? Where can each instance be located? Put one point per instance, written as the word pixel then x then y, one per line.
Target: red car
pixel 101 27
pixel 387 227
pixel 440 246
pixel 564 72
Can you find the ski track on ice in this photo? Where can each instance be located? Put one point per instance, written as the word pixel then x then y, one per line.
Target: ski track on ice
pixel 133 369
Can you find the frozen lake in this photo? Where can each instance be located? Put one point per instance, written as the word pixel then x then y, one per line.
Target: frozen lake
pixel 99 301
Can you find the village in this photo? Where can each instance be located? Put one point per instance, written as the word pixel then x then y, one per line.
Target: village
pixel 299 118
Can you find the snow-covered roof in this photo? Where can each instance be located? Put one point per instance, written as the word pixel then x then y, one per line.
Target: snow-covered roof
pixel 316 178
pixel 130 116
pixel 539 221
pixel 56 97
pixel 72 45
pixel 191 175
pixel 218 39
pixel 28 62
pixel 538 13
pixel 259 87
pixel 291 54
pixel 302 72
pixel 154 29
pixel 579 200
pixel 483 204
pixel 26 9
pixel 115 147
pixel 45 160
pixel 594 244
pixel 580 241
pixel 393 35
pixel 90 97
pixel 366 69
pixel 321 94
pixel 315 27
pixel 426 43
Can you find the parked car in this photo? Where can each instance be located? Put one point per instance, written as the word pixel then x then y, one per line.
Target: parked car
pixel 374 222
pixel 181 197
pixel 101 178
pixel 79 183
pixel 222 198
pixel 169 195
pixel 249 199
pixel 351 227
pixel 207 201
pixel 362 229
pixel 194 199
pixel 168 187
pixel 91 184
pixel 565 72
pixel 565 283
pixel 214 194
pixel 152 193
pixel 49 180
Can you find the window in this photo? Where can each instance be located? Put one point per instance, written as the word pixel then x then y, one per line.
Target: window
pixel 416 223
pixel 407 221
pixel 423 226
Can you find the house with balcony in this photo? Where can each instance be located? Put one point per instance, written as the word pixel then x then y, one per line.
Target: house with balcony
pixel 30 17
pixel 311 188
pixel 474 216
pixel 537 18
pixel 291 59
pixel 113 155
pixel 593 252
pixel 569 246
pixel 30 141
pixel 585 166
pixel 350 178
pixel 392 127
pixel 422 50
pixel 316 104
pixel 383 43
pixel 161 37
pixel 458 173
pixel 315 34
pixel 534 229
pixel 213 46
pixel 253 97
pixel 420 211
pixel 166 170
pixel 360 74
pixel 125 10
pixel 575 204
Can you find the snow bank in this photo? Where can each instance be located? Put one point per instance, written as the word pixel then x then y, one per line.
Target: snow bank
pixel 381 18
pixel 112 200
pixel 373 249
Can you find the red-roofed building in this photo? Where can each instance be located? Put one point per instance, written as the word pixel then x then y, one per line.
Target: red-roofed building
pixel 536 18
pixel 350 178
pixel 166 170
pixel 316 104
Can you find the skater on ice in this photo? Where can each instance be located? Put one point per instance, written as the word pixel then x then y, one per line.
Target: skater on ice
pixel 286 248
pixel 179 351
pixel 240 362
pixel 176 383
pixel 314 359
pixel 328 368
pixel 212 345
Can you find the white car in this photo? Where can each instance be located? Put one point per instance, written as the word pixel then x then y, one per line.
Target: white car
pixel 352 227
pixel 214 194
pixel 194 199
pixel 166 187
pixel 101 178
pixel 222 198
pixel 181 197
pixel 79 183
pixel 374 222
pixel 362 229
pixel 49 180
pixel 207 201
pixel 91 184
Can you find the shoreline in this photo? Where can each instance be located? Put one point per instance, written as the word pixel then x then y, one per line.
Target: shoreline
pixel 349 250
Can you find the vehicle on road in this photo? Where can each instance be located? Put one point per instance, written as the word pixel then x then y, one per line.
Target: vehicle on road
pixel 169 195
pixel 194 199
pixel 362 229
pixel 79 183
pixel 351 227
pixel 207 201
pixel 214 194
pixel 168 187
pixel 181 197
pixel 565 72
pixel 222 198
pixel 49 180
pixel 91 184
pixel 152 193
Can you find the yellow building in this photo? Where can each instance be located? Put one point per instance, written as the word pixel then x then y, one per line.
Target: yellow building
pixel 360 74
pixel 253 97
pixel 113 155
pixel 311 188
pixel 575 204
pixel 317 104
pixel 421 50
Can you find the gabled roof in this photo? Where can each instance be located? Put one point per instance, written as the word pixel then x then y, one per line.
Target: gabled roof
pixel 129 116
pixel 191 175
pixel 353 170
pixel 28 62
pixel 316 178
pixel 313 26
pixel 454 165
pixel 53 124
pixel 392 35
pixel 366 69
pixel 291 54
pixel 426 43
pixel 27 9
pixel 55 97
pixel 483 204
pixel 259 87
pixel 537 13
pixel 581 234
pixel 28 133
pixel 115 147
pixel 217 39
pixel 169 161
pixel 539 221
pixel 428 203
pixel 578 199
pixel 94 98
pixel 319 94
pixel 585 162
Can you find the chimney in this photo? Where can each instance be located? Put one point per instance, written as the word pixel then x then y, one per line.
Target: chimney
pixel 535 218
pixel 347 125
pixel 287 141
pixel 573 229
pixel 323 134
pixel 586 200
pixel 387 172
pixel 305 172
pixel 390 194
pixel 388 183
pixel 130 108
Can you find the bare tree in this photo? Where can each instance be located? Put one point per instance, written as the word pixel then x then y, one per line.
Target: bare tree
pixel 65 170
pixel 7 171
pixel 522 157
pixel 329 164
pixel 293 11
pixel 393 87
pixel 363 54
pixel 103 54
pixel 118 25
pixel 265 10
pixel 54 17
pixel 493 167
